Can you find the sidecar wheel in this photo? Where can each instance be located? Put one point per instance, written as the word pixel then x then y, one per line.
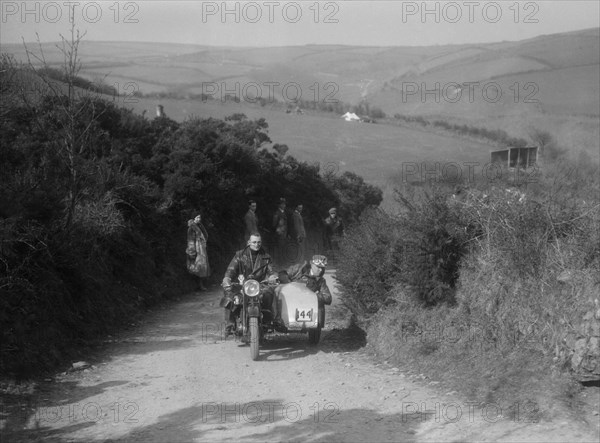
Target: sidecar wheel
pixel 254 338
pixel 314 335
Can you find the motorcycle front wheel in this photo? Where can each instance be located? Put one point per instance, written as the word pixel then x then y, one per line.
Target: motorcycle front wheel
pixel 254 338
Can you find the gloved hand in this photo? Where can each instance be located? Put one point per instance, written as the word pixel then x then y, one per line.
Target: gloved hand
pixel 273 279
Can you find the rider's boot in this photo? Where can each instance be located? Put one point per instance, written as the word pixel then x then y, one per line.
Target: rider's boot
pixel 278 323
pixel 229 321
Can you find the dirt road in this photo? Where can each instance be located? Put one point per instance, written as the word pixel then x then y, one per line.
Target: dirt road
pixel 174 378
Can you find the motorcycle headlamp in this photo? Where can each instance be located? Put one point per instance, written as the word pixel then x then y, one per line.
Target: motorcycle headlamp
pixel 251 288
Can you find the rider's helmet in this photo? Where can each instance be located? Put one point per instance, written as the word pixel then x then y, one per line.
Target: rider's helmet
pixel 319 260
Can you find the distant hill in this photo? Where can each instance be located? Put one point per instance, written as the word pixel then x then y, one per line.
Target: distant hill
pixel 560 72
pixel 549 82
pixel 374 73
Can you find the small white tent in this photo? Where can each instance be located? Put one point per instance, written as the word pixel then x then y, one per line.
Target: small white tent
pixel 351 117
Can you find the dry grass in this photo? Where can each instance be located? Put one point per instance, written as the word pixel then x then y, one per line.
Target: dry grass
pixel 530 277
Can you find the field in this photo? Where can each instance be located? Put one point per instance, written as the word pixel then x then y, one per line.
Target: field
pixel 550 83
pixel 375 151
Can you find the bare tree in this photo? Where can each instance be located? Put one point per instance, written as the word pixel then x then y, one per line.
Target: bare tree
pixel 75 109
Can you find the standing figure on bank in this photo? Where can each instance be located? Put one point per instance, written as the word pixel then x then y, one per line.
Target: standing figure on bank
pixel 280 225
pixel 299 232
pixel 334 230
pixel 196 251
pixel 251 262
pixel 250 220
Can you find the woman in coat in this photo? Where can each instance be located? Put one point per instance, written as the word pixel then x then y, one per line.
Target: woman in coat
pixel 197 255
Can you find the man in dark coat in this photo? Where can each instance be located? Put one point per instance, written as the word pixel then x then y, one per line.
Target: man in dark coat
pixel 334 230
pixel 250 220
pixel 251 262
pixel 280 225
pixel 299 234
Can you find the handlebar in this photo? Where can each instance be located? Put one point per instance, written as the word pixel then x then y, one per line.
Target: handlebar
pixel 235 286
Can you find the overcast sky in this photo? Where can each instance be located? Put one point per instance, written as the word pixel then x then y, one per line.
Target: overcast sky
pixel 281 23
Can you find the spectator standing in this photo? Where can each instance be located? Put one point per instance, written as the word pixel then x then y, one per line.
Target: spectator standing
pixel 334 230
pixel 197 254
pixel 280 225
pixel 250 220
pixel 299 234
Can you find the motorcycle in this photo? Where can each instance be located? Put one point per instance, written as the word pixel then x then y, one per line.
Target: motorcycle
pixel 301 312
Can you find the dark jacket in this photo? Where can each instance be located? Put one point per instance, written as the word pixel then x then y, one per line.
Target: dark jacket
pixel 301 273
pixel 280 223
pixel 251 223
pixel 298 224
pixel 334 226
pixel 242 263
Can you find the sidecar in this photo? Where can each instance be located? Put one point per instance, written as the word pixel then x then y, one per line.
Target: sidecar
pixel 299 308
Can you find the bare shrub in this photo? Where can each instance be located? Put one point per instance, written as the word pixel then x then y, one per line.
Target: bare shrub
pixel 100 218
pixel 421 248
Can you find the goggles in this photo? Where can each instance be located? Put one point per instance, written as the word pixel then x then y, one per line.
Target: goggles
pixel 319 260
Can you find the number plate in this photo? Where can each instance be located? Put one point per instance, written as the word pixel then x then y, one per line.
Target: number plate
pixel 304 314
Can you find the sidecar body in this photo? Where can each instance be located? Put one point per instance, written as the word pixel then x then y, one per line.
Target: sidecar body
pixel 299 307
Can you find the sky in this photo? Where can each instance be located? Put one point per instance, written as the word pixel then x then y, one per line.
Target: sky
pixel 284 23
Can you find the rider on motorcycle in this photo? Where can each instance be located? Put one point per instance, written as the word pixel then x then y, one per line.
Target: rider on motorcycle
pixel 251 262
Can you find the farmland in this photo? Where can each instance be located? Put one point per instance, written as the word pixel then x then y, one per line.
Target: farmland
pixel 549 83
pixel 376 151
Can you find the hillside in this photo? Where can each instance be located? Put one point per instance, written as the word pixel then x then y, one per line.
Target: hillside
pixel 549 82
pixel 564 67
pixel 377 152
pixel 359 72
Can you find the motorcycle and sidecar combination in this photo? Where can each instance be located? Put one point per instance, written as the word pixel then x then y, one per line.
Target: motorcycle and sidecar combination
pixel 300 308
